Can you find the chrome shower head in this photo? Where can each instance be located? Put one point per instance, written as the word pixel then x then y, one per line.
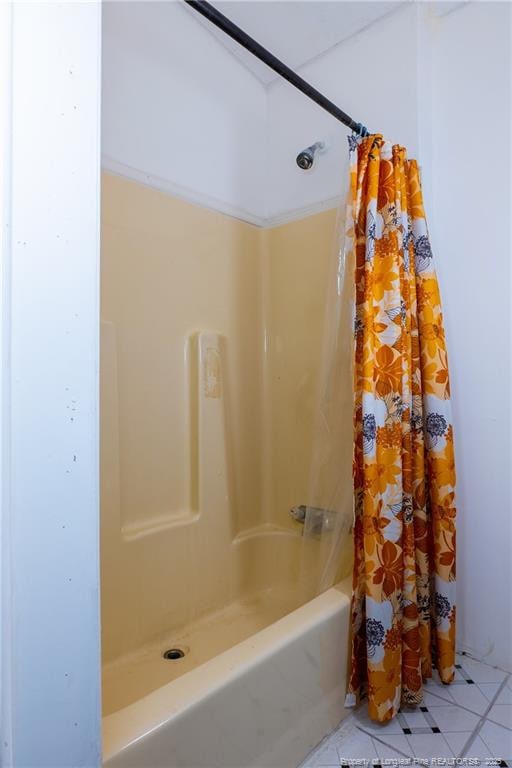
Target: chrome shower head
pixel 306 158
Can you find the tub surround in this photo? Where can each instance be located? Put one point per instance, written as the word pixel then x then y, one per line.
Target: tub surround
pixel 211 344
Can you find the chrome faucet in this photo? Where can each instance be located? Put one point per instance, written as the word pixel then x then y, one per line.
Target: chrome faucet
pixel 318 518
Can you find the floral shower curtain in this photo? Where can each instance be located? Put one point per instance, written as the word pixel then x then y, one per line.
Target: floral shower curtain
pixel 403 603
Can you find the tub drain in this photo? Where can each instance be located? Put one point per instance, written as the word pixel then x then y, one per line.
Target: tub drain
pixel 173 653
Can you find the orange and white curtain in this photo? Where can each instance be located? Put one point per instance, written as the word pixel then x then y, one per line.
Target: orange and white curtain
pixel 403 604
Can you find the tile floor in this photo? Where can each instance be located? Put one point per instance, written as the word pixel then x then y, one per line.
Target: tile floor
pixel 472 718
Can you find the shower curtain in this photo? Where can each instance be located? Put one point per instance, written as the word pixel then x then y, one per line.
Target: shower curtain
pixel 403 603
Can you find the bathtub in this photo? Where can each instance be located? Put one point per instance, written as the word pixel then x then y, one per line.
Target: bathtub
pixel 266 702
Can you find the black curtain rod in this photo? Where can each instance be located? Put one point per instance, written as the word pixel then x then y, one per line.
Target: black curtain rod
pixel 216 17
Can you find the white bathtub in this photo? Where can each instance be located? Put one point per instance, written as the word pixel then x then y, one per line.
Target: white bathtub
pixel 265 702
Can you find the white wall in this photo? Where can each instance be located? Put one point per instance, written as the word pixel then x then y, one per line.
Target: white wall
pixel 182 114
pixel 372 77
pixel 470 226
pixel 50 325
pixel 5 243
pixel 179 112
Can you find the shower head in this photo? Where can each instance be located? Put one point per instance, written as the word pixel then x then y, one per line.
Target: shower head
pixel 305 159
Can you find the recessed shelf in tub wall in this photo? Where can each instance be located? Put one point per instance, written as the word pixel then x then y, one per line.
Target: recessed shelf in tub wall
pixel 205 455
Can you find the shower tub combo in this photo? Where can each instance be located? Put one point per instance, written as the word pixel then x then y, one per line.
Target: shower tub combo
pixel 218 650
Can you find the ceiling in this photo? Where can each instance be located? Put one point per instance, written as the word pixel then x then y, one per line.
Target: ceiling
pixel 296 31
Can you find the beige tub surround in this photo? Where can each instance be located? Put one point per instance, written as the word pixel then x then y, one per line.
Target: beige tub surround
pixel 211 344
pixel 181 410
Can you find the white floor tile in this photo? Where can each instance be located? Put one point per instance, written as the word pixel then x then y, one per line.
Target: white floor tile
pixel 471 697
pixel 353 744
pixel 395 746
pixel 439 689
pixel 415 719
pixel 452 719
pixel 502 714
pixel 457 741
pixel 429 745
pixel 435 700
pixel 481 673
pixel 320 765
pixel 489 690
pixel 363 720
pixel 325 755
pixel 478 749
pixel 505 696
pixel 498 739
